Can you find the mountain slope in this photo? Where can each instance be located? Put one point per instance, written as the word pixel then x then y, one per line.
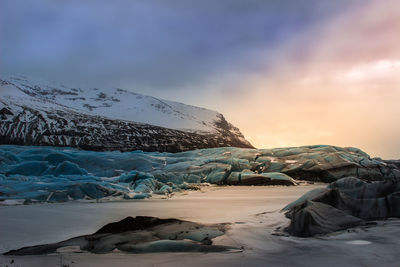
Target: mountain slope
pixel 40 113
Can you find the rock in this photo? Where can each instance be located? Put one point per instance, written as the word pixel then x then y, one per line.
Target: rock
pixel 217 177
pixel 234 178
pixel 396 174
pixel 247 177
pixel 134 224
pixel 314 218
pixel 306 197
pixel 395 163
pixel 278 178
pixel 344 203
pixel 188 186
pixel 165 189
pixel 140 235
pixel 275 167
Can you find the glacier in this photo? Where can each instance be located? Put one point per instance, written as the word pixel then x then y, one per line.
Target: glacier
pixel 58 174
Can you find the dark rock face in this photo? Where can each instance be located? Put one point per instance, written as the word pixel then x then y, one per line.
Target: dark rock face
pixel 73 129
pixel 134 224
pixel 140 235
pixel 345 203
pixel 395 163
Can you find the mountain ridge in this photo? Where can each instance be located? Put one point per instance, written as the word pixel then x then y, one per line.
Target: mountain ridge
pixel 37 113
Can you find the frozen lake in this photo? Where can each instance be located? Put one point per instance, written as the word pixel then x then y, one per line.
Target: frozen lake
pixel 253 212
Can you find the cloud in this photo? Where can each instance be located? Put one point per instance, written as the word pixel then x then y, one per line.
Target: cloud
pixel 379 71
pixel 155 45
pixel 343 90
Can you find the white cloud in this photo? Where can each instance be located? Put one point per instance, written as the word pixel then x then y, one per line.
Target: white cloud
pixel 373 71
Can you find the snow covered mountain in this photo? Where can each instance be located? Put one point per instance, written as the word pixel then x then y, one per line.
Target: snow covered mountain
pixel 34 112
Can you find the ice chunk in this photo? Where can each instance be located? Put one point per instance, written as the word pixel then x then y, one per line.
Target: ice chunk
pixel 30 168
pixel 69 168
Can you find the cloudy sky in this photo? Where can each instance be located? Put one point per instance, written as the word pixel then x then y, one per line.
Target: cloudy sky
pixel 287 73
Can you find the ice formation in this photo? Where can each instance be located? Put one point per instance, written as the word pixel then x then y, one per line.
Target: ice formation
pixel 140 235
pixel 345 203
pixel 54 174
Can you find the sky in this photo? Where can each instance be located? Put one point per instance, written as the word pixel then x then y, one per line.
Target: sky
pixel 287 73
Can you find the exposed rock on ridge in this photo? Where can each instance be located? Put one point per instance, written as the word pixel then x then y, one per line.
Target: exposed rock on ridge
pixel 34 113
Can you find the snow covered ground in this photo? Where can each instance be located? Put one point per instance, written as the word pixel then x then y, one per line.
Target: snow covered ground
pixel 253 212
pixel 108 102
